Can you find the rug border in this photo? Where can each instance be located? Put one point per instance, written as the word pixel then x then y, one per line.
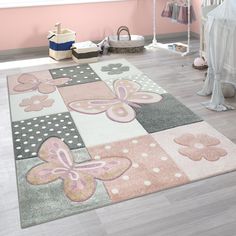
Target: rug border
pixel 7 77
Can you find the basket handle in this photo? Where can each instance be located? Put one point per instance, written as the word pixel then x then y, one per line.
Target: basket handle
pixel 50 36
pixel 123 28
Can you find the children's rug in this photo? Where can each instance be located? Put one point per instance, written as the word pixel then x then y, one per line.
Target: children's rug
pixel 91 135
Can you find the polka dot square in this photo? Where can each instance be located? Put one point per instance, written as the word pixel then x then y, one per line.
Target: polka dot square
pixel 28 135
pixel 152 169
pixel 80 74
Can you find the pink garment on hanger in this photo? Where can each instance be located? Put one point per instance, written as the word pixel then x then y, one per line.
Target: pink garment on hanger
pixel 167 12
pixel 178 11
pixel 183 15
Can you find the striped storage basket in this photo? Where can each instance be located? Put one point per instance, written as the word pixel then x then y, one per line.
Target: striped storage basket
pixel 60 43
pixel 85 52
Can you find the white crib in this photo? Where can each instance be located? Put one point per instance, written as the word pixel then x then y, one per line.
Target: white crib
pixel 211 2
pixel 207 6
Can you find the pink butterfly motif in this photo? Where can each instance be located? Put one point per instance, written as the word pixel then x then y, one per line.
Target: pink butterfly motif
pixel 29 82
pixel 120 108
pixel 79 179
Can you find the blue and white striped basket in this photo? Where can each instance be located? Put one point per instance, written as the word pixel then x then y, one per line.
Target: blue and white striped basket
pixel 60 44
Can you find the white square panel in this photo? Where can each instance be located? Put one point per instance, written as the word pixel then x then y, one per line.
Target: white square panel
pixel 120 68
pixel 203 168
pixel 98 129
pixel 18 112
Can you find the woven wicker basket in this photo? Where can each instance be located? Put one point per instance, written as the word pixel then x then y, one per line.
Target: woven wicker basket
pixel 126 43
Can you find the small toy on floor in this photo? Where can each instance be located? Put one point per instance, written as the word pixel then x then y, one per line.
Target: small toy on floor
pixel 228 90
pixel 200 63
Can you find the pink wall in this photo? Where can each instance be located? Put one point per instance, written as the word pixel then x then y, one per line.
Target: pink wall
pixel 197 8
pixel 28 27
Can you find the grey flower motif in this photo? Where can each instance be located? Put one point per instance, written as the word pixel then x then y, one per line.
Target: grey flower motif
pixel 115 69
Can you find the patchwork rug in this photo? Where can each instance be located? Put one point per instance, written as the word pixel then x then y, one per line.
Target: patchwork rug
pixel 91 135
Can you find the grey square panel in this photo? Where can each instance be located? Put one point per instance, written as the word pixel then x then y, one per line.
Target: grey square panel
pixel 28 135
pixel 78 74
pixel 166 114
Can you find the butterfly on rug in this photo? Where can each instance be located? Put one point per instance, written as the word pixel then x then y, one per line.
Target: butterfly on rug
pixel 120 108
pixel 79 179
pixel 29 82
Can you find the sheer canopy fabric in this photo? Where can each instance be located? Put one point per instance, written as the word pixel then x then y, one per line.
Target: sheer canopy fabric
pixel 221 53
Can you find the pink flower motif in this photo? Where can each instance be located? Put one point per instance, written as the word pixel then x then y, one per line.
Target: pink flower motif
pixel 200 146
pixel 36 103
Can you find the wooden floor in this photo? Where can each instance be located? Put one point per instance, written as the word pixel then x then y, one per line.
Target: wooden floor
pixel 204 208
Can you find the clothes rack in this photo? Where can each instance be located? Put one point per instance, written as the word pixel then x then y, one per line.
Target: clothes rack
pixel 155 44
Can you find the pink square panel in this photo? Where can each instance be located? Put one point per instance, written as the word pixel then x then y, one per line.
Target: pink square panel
pixel 152 168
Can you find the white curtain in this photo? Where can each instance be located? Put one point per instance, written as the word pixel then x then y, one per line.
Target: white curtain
pixel 220 41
